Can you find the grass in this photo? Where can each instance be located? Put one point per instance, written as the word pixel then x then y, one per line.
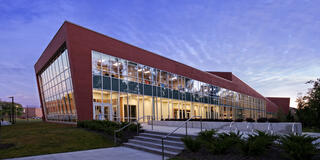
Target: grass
pixel 308 129
pixel 36 137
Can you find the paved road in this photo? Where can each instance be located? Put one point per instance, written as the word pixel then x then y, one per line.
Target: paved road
pixel 114 153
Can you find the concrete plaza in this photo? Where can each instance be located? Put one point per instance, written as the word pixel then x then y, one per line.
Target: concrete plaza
pixel 114 153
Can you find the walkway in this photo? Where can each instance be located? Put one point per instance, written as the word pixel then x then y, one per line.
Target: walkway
pixel 114 153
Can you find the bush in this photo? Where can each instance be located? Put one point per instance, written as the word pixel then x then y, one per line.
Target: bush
pixel 106 126
pixel 102 126
pixel 257 144
pixel 250 120
pixel 207 135
pixel 224 141
pixel 192 145
pixel 273 120
pixel 299 147
pixel 262 119
pixel 239 120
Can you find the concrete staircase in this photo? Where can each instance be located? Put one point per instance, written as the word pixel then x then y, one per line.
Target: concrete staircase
pixel 150 141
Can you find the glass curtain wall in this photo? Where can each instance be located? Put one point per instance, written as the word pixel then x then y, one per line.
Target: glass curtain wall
pixel 128 90
pixel 57 91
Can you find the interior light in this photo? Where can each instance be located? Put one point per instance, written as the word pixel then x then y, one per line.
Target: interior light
pixel 146 71
pixel 116 63
pixel 174 78
pixel 139 70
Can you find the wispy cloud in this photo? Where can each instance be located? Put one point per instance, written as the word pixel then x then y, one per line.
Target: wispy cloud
pixel 271 45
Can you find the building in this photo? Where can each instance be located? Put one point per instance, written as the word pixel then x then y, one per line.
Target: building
pixel 31 112
pixel 84 75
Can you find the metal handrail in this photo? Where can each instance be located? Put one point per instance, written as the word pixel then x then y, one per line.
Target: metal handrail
pixel 185 122
pixel 130 123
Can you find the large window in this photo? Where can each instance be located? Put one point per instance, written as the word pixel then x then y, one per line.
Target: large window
pixel 150 91
pixel 56 88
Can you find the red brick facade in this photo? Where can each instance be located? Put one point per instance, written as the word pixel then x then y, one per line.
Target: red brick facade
pixel 282 102
pixel 81 41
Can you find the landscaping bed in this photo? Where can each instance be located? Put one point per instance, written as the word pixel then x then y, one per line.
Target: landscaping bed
pixel 262 146
pixel 204 154
pixel 109 127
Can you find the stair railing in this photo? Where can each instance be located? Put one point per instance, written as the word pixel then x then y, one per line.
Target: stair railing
pixel 181 125
pixel 130 123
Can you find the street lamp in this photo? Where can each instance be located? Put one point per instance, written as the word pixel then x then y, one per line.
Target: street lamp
pixel 12 110
pixel 0 115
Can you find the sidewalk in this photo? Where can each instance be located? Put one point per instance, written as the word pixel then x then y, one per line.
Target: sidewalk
pixel 114 153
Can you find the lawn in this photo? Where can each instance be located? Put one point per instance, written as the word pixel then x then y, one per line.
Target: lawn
pixel 308 129
pixel 36 137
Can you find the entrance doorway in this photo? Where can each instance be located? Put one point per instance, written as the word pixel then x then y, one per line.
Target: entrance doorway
pixel 102 111
pixel 130 113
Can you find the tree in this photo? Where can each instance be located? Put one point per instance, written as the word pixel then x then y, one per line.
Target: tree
pixel 290 117
pixel 309 106
pixel 6 108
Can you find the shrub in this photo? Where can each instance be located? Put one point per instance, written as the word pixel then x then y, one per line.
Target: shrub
pixel 257 144
pixel 133 127
pixel 106 126
pixel 262 120
pixel 239 120
pixel 273 120
pixel 250 120
pixel 218 146
pixel 224 141
pixel 192 145
pixel 207 135
pixel 299 147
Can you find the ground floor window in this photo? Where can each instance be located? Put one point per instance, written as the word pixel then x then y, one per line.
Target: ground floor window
pixel 120 106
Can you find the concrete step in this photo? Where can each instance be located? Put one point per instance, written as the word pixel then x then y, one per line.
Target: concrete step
pixel 154 135
pixel 158 141
pixel 150 149
pixel 156 145
pixel 164 133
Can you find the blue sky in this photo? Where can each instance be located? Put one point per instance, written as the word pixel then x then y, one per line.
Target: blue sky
pixel 272 45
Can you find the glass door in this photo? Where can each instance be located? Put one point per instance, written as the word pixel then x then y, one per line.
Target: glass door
pixel 97 112
pixel 130 113
pixel 107 111
pixel 102 111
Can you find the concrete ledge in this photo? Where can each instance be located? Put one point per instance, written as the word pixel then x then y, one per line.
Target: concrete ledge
pixel 4 123
pixel 277 128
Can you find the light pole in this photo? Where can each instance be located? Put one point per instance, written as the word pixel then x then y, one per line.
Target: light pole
pixel 27 113
pixel 0 115
pixel 12 110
